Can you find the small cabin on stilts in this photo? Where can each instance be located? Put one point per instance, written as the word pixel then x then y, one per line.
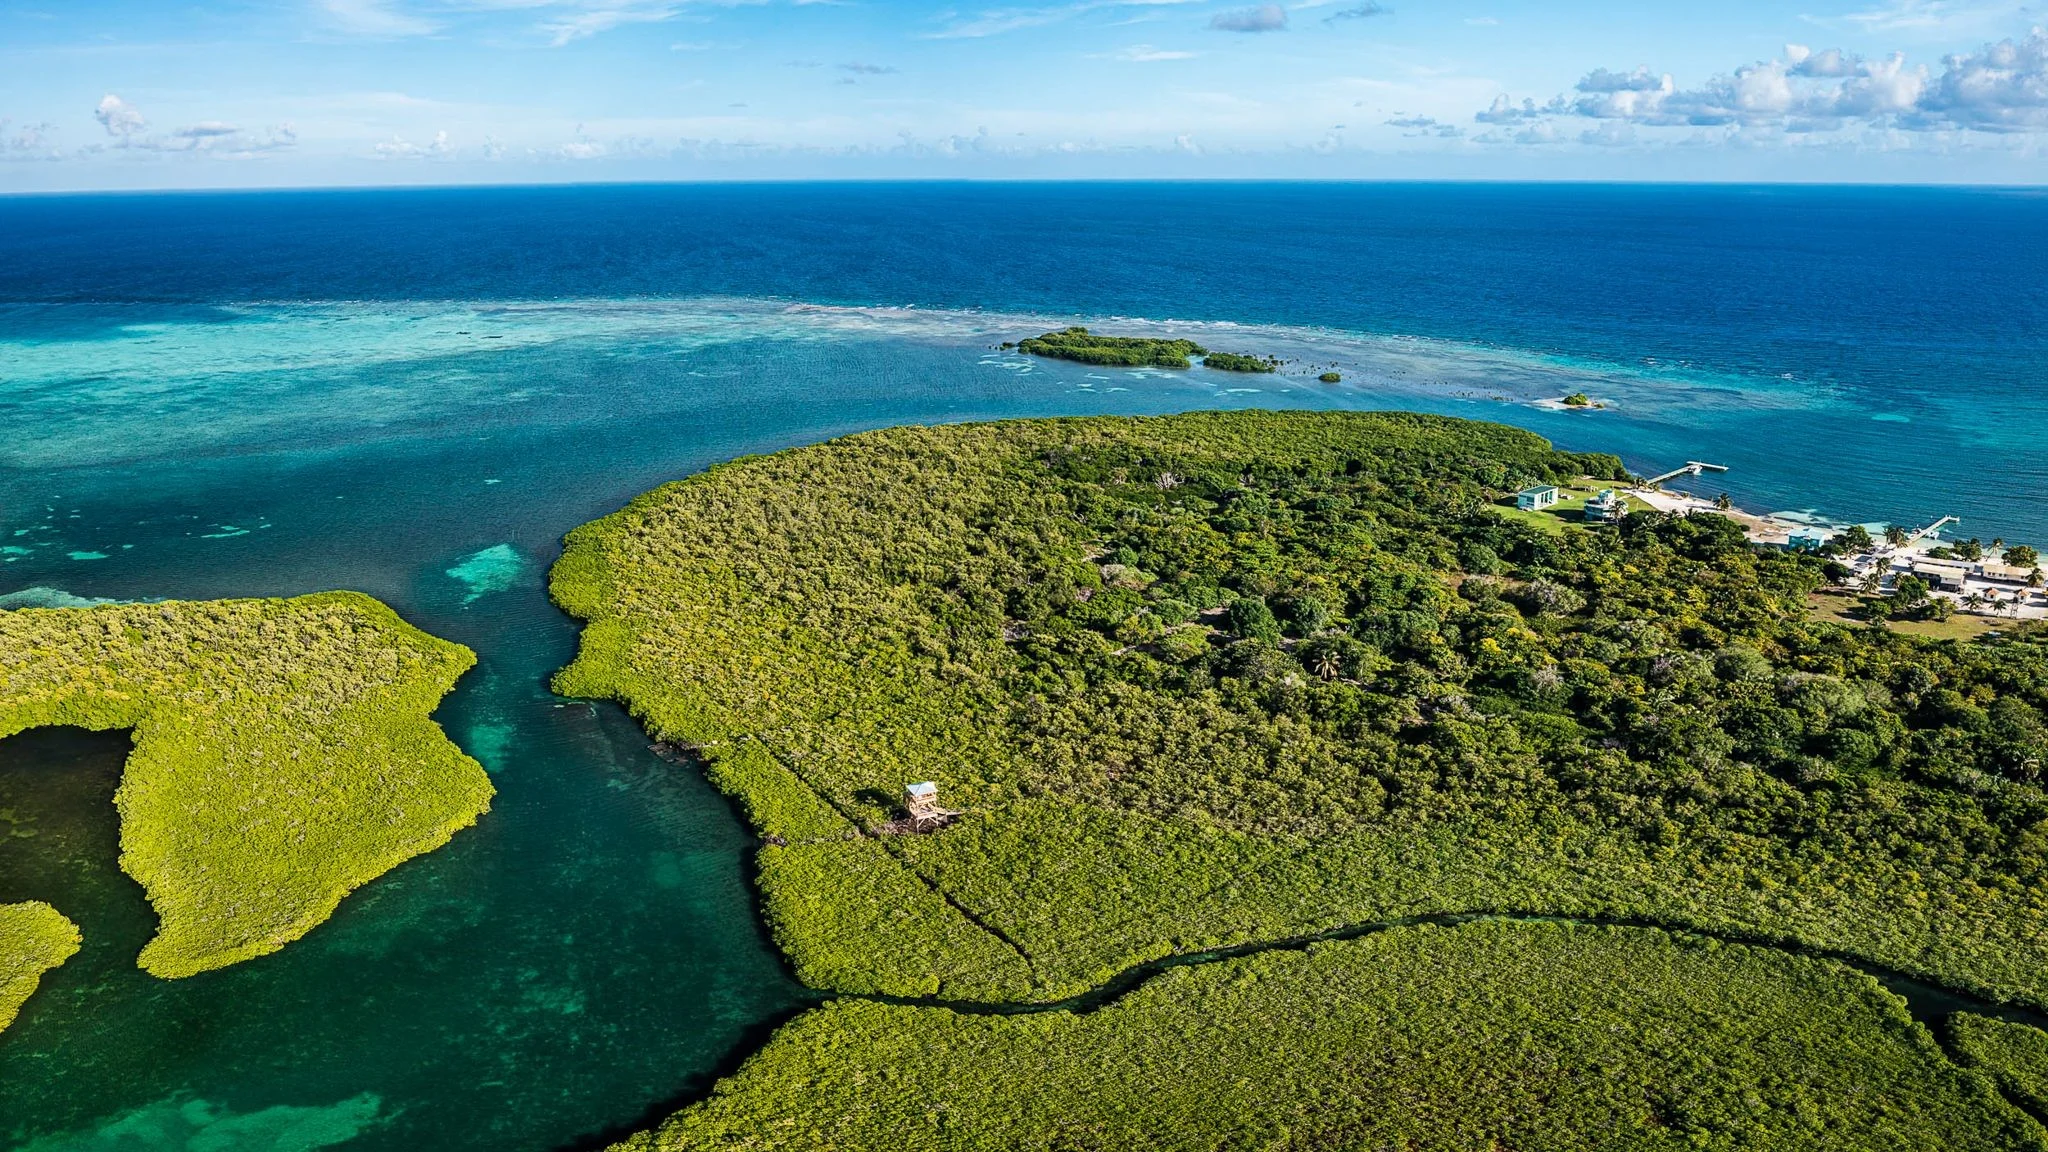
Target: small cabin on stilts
pixel 921 807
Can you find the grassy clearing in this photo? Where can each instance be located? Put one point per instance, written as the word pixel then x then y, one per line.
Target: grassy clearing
pixel 1487 1036
pixel 1839 608
pixel 1228 677
pixel 284 753
pixel 34 938
pixel 1568 512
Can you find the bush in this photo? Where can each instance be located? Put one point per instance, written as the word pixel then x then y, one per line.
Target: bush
pixel 1331 378
pixel 1251 619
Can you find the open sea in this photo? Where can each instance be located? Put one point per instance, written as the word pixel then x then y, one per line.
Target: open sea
pixel 415 393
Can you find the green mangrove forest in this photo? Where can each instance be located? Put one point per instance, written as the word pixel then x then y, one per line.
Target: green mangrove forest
pixel 1484 1036
pixel 1211 680
pixel 1238 362
pixel 1085 347
pixel 283 755
pixel 34 938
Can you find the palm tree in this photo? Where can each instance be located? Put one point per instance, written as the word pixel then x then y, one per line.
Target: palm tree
pixel 1895 536
pixel 1873 581
pixel 1329 663
pixel 1974 602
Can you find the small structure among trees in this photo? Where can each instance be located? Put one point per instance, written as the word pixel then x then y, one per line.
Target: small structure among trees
pixel 921 809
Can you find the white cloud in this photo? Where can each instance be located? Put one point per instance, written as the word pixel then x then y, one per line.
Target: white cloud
pixel 399 148
pixel 125 123
pixel 373 18
pixel 2002 88
pixel 1261 18
pixel 28 142
pixel 1832 63
pixel 1505 111
pixel 118 117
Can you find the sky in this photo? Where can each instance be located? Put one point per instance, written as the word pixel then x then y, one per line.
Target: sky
pixel 124 94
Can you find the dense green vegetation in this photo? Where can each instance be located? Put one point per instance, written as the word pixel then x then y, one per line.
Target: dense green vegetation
pixel 2014 1054
pixel 1237 676
pixel 1331 378
pixel 1482 1037
pixel 1083 346
pixel 34 938
pixel 1234 362
pixel 283 756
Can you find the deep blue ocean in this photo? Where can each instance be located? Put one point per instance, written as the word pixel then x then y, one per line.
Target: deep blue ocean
pixel 415 393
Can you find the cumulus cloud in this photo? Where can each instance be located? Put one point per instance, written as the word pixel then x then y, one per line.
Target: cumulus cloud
pixel 399 148
pixel 119 117
pixel 126 124
pixel 1833 63
pixel 1263 18
pixel 1425 126
pixel 2001 88
pixel 1505 111
pixel 26 142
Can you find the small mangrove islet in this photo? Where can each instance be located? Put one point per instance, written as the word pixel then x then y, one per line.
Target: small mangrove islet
pixel 1236 362
pixel 1084 347
pixel 284 754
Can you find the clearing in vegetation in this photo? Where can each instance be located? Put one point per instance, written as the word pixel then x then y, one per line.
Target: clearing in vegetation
pixel 1231 677
pixel 284 753
pixel 34 938
pixel 1471 1039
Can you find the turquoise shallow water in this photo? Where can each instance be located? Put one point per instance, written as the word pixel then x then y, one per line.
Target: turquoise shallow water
pixel 590 950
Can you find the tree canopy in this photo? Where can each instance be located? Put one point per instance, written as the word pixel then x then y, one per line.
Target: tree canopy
pixel 1238 676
